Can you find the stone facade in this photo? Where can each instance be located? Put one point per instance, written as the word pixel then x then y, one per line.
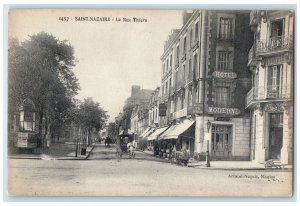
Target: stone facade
pixel 271 98
pixel 208 54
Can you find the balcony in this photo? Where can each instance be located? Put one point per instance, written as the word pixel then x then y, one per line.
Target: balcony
pixel 274 45
pixel 261 94
pixel 254 17
pixel 252 58
pixel 180 113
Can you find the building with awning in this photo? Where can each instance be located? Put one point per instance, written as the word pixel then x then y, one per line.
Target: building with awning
pixel 181 134
pixel 175 131
pixel 156 133
pixel 145 132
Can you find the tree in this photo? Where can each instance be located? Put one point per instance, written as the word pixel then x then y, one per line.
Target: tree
pixel 90 116
pixel 112 130
pixel 41 69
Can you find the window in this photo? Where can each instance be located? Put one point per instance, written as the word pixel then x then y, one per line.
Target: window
pixel 190 68
pixel 222 96
pixel 225 59
pixel 195 65
pixel 182 99
pixel 225 28
pixel 190 97
pixel 277 28
pixel 166 86
pixel 183 73
pixel 273 89
pixel 177 52
pixel 27 121
pixel 171 59
pixel 167 68
pixel 184 45
pixel 170 81
pixel 176 77
pixel 196 30
pixel 164 68
pixel 191 36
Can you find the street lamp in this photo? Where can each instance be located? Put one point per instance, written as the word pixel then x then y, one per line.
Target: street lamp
pixel 208 125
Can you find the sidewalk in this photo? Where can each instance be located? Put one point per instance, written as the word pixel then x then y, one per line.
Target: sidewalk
pixel 57 151
pixel 229 165
pixel 235 165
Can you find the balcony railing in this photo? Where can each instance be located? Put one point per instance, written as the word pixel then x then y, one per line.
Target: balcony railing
pixel 264 93
pixel 254 17
pixel 274 44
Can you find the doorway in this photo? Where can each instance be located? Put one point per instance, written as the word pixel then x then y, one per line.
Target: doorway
pixel 275 135
pixel 221 142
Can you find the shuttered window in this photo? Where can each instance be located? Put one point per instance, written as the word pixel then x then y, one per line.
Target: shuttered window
pixel 225 59
pixel 225 28
pixel 222 96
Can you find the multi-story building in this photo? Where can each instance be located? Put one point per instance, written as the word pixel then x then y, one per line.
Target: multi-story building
pixel 204 82
pixel 138 96
pixel 271 98
pixel 140 119
pixel 157 121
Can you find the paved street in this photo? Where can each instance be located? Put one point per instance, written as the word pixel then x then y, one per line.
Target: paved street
pixel 103 175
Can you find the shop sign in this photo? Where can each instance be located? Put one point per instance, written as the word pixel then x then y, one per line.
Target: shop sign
pixel 225 75
pixel 162 109
pixel 197 108
pixel 226 111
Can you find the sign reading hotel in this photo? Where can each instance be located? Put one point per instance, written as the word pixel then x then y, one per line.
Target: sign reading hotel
pixel 228 75
pixel 226 111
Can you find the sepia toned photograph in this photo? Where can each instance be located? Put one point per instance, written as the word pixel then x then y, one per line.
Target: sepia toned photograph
pixel 152 103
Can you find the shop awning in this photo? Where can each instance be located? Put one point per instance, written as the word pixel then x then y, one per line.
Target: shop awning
pixel 176 130
pixel 157 132
pixel 149 132
pixel 145 132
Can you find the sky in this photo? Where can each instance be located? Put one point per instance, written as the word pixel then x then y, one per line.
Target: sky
pixel 112 56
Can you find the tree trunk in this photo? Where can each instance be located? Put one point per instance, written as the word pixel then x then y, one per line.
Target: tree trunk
pixel 41 114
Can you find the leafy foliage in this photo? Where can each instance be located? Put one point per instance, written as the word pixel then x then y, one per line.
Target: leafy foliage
pixel 41 69
pixel 89 115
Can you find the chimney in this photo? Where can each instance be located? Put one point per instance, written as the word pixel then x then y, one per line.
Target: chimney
pixel 135 89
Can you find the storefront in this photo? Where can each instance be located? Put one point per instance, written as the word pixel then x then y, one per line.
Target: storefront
pixel 226 139
pixel 221 141
pixel 153 135
pixel 181 135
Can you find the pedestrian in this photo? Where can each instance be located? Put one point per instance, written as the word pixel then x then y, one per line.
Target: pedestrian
pixel 48 142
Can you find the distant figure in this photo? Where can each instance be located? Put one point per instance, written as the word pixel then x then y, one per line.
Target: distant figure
pixel 48 142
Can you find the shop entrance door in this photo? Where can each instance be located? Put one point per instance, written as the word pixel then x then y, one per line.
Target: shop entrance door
pixel 221 142
pixel 275 135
